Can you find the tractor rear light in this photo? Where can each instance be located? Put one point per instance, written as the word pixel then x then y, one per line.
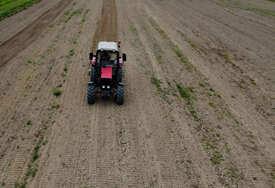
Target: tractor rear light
pixel 108 87
pixel 103 87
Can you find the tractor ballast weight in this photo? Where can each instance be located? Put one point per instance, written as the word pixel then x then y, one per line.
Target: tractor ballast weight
pixel 106 72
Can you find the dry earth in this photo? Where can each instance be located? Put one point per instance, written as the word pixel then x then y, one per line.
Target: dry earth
pixel 200 95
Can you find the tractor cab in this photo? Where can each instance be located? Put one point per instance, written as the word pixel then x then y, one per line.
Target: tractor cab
pixel 107 53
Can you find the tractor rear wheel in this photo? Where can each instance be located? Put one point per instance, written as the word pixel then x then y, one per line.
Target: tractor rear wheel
pixel 91 94
pixel 93 75
pixel 119 75
pixel 120 95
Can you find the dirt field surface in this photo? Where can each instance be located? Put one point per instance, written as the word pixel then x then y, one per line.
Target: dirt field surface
pixel 26 36
pixel 200 96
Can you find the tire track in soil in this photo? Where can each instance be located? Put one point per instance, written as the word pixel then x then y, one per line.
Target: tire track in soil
pixel 118 142
pixel 243 142
pixel 90 128
pixel 29 34
pixel 107 26
pixel 18 167
pixel 70 151
pixel 105 137
pixel 154 164
pixel 17 155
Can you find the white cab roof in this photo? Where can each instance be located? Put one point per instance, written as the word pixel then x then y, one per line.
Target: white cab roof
pixel 107 46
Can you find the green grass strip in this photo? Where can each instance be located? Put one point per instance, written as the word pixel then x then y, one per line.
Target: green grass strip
pixel 10 7
pixel 174 47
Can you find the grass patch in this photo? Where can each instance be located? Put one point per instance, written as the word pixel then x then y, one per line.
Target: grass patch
pixel 20 185
pixel 262 11
pixel 184 93
pixel 30 62
pixel 267 12
pixel 75 12
pixel 202 84
pixel 156 82
pixel 56 106
pixel 212 104
pixel 133 30
pixel 51 25
pixel 29 122
pixel 163 92
pixel 85 15
pixel 216 158
pixel 36 149
pixel 233 172
pixel 222 53
pixel 35 153
pixel 31 171
pixel 182 58
pixel 174 47
pixel 57 92
pixel 158 53
pixel 11 7
pixel 65 68
pixel 71 52
pixel 74 41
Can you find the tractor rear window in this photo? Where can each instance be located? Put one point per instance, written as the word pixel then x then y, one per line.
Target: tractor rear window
pixel 107 56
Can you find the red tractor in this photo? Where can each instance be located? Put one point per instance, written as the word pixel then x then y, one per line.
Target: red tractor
pixel 106 73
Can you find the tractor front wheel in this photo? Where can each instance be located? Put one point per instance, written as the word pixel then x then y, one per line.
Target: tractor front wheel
pixel 91 94
pixel 120 95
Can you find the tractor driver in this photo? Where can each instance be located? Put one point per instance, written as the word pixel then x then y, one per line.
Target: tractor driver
pixel 105 57
pixel 108 57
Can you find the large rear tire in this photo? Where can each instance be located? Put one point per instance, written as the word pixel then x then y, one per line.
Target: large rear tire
pixel 119 75
pixel 93 75
pixel 120 95
pixel 91 94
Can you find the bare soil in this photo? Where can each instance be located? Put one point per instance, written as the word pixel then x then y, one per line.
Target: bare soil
pixel 199 105
pixel 30 33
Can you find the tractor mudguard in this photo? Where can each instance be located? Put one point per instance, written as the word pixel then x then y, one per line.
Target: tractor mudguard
pixel 91 83
pixel 121 84
pixel 93 61
pixel 120 62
